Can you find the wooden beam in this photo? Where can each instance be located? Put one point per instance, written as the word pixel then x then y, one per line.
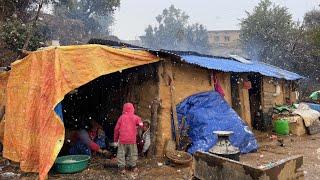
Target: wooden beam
pixel 154 127
pixel 245 103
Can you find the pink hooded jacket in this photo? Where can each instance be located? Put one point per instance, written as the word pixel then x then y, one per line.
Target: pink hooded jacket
pixel 126 127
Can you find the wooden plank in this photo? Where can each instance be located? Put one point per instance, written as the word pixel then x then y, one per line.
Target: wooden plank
pixel 154 127
pixel 246 107
pixel 174 114
pixel 245 112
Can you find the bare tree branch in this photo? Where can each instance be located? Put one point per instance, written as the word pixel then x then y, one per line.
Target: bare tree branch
pixel 34 24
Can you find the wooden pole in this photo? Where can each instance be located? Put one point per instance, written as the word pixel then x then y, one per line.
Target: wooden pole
pixel 174 113
pixel 154 127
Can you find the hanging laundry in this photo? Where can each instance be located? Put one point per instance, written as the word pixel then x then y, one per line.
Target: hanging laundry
pixel 217 86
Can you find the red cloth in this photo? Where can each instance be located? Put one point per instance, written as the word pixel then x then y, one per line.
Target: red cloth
pixel 217 85
pixel 93 146
pixel 218 88
pixel 126 127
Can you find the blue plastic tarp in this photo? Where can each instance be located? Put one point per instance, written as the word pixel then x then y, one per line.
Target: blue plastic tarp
pixel 58 110
pixel 314 106
pixel 227 65
pixel 207 112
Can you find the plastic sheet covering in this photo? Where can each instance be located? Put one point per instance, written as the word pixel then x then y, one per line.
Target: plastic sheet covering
pixel 314 106
pixel 207 112
pixel 58 110
pixel 227 65
pixel 307 113
pixel 34 133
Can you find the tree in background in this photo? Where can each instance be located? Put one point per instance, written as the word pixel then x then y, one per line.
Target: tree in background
pixel 17 8
pixel 305 55
pixel 175 33
pixel 312 19
pixel 18 21
pixel 24 26
pixel 268 34
pixel 14 34
pixel 20 29
pixel 97 15
pixel 312 28
pixel 311 41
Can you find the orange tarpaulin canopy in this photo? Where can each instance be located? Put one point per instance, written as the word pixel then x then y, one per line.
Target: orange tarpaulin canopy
pixel 34 134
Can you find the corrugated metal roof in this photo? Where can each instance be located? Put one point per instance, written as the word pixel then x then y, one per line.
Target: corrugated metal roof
pixel 228 65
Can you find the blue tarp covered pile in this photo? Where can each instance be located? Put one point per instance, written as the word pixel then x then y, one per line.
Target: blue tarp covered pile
pixel 314 106
pixel 207 112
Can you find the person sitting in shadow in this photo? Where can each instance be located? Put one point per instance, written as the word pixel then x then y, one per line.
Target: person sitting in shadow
pixel 88 140
pixel 143 140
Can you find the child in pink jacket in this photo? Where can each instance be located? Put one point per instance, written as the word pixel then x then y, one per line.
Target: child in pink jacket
pixel 125 133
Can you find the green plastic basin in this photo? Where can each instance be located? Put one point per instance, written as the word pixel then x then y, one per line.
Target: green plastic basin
pixel 71 163
pixel 281 126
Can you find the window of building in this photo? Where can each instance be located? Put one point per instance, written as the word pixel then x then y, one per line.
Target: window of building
pixel 226 38
pixel 216 38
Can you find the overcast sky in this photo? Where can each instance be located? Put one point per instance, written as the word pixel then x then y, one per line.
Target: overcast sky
pixel 135 15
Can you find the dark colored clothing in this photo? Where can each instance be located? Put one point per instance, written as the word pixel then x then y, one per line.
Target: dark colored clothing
pixel 80 148
pixel 101 141
pixel 83 144
pixel 143 142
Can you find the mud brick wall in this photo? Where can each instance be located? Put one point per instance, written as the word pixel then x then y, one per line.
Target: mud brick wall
pixel 146 93
pixel 188 80
pixel 245 102
pixel 269 96
pixel 269 90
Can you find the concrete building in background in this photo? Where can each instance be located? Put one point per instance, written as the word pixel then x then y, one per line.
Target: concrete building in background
pixel 136 42
pixel 225 42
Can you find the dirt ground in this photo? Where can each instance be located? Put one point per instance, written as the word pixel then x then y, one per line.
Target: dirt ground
pixel 101 168
pixel 269 151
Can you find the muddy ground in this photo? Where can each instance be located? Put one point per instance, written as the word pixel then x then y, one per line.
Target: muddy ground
pixel 270 151
pixel 101 168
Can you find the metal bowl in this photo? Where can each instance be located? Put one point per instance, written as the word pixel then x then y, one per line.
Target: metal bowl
pixel 223 133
